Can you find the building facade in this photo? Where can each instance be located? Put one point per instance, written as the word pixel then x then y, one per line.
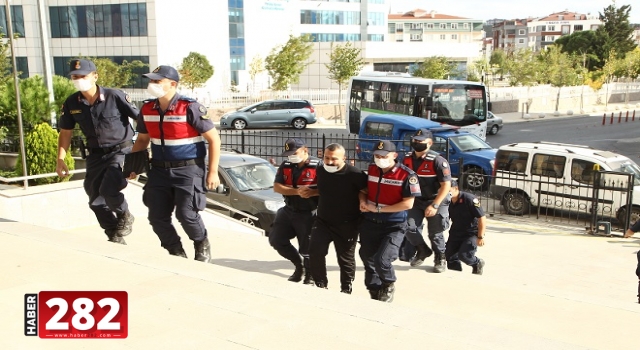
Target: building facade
pixel 544 31
pixel 510 35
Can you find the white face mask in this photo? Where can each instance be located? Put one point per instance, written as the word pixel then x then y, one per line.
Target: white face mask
pixel 331 168
pixel 82 84
pixel 156 90
pixel 383 163
pixel 294 159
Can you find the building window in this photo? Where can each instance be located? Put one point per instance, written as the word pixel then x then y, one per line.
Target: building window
pixel 552 28
pixel 454 36
pixel 336 17
pixel 429 25
pixel 329 37
pixel 416 25
pixel 116 20
pixel 577 27
pixel 23 67
pixel 594 26
pixel 17 18
pixel 443 37
pixel 443 26
pixel 416 37
pixel 521 32
pixel 465 25
pixel 61 67
pixel 454 25
pixel 392 28
pixel 375 37
pixel 375 19
pixel 520 41
pixel 566 29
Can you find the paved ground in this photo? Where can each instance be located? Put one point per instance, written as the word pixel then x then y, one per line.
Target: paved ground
pixel 544 286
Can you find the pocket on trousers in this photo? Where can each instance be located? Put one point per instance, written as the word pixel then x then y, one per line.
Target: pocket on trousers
pixel 199 197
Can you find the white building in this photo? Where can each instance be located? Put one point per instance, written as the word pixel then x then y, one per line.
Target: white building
pixel 544 31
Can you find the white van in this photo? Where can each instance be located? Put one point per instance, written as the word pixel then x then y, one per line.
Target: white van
pixel 561 176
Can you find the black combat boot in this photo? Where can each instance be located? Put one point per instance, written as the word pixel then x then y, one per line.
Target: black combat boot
pixel 297 274
pixel 440 263
pixel 423 252
pixel 308 279
pixel 203 250
pixel 114 237
pixel 125 222
pixel 386 293
pixel 375 294
pixel 477 268
pixel 346 288
pixel 638 291
pixel 321 285
pixel 178 251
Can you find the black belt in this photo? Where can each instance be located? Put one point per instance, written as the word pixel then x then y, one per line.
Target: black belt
pixel 176 163
pixel 295 210
pixel 107 150
pixel 378 221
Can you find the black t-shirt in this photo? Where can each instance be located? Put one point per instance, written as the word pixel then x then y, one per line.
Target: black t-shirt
pixel 464 214
pixel 338 200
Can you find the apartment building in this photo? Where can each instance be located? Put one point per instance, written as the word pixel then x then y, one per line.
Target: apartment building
pixel 544 31
pixel 510 35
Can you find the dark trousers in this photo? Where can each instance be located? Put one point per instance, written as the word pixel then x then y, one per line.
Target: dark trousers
pixel 461 248
pixel 287 225
pixel 638 268
pixel 183 190
pixel 379 245
pixel 344 237
pixel 103 182
pixel 436 225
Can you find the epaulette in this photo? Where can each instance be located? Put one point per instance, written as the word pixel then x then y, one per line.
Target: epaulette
pixel 185 98
pixel 149 100
pixel 431 155
pixel 313 162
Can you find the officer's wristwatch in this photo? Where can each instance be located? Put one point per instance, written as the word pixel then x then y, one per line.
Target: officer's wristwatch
pixel 378 208
pixel 435 206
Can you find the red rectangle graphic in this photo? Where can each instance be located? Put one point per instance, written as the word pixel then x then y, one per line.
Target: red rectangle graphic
pixel 83 314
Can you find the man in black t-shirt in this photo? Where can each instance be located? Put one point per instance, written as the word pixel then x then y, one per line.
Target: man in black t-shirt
pixel 338 216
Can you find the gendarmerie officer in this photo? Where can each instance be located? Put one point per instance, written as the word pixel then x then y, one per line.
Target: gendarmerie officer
pixel 391 189
pixel 435 181
pixel 339 186
pixel 177 128
pixel 103 116
pixel 629 233
pixel 468 226
pixel 293 178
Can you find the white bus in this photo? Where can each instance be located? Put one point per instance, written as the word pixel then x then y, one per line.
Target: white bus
pixel 452 102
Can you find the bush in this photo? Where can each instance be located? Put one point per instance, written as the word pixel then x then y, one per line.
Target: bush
pixel 41 146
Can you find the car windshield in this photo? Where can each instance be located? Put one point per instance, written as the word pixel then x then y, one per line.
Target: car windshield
pixel 469 142
pixel 629 167
pixel 252 177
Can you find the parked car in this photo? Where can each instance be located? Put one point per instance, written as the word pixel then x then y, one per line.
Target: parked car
pixel 451 143
pixel 494 124
pixel 246 184
pixel 563 176
pixel 295 113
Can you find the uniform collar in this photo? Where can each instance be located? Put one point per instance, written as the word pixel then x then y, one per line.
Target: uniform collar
pixel 100 96
pixel 172 104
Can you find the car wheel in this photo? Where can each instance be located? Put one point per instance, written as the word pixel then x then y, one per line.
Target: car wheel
pixel 635 215
pixel 299 123
pixel 516 203
pixel 494 130
pixel 474 179
pixel 246 220
pixel 239 124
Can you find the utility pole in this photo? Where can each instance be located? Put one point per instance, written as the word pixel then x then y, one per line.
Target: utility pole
pixel 16 85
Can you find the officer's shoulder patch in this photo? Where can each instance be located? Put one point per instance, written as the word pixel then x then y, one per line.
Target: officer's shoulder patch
pixel 445 164
pixel 202 109
pixel 413 180
pixel 127 97
pixel 476 202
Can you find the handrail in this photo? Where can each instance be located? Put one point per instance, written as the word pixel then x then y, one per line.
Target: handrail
pixel 38 176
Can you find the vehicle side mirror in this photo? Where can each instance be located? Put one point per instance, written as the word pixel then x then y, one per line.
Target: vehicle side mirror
pixel 222 189
pixel 452 151
pixel 253 110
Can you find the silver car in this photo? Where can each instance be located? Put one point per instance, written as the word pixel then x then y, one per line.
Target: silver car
pixel 295 113
pixel 246 184
pixel 494 124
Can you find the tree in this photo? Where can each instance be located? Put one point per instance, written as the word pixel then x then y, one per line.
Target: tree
pixel 523 68
pixel 34 100
pixel 286 62
pixel 113 75
pixel 498 60
pixel 5 62
pixel 255 67
pixel 436 67
pixel 195 70
pixel 616 31
pixel 585 43
pixel 611 65
pixel 559 69
pixel 62 88
pixel 41 147
pixel 345 62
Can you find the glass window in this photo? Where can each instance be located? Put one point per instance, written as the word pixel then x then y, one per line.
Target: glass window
pixel 99 20
pixel 17 19
pixel 512 161
pixel 392 28
pixel 583 171
pixel 443 26
pixel 454 25
pixel 454 36
pixel 548 165
pixel 577 27
pixel 265 106
pixel 378 129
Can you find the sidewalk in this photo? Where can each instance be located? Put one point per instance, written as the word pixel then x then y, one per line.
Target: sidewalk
pixel 615 108
pixel 543 287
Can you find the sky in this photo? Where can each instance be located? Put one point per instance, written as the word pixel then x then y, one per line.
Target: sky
pixel 510 9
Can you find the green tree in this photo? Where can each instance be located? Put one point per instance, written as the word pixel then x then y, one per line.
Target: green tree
pixel 34 100
pixel 195 70
pixel 560 69
pixel 498 62
pixel 255 67
pixel 41 147
pixel 5 62
pixel 523 68
pixel 436 67
pixel 345 62
pixel 616 31
pixel 585 43
pixel 286 62
pixel 113 75
pixel 62 88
